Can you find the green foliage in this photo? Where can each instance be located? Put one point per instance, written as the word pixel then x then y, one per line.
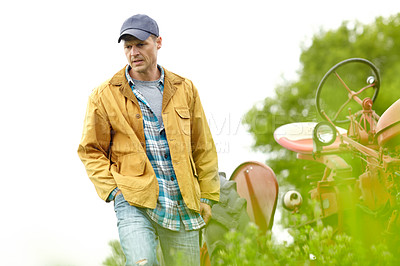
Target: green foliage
pixel 294 101
pixel 117 257
pixel 316 245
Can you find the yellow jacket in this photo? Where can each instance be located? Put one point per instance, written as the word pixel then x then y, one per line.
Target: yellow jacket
pixel 113 147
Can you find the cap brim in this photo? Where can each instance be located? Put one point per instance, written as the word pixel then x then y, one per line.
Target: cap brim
pixel 140 34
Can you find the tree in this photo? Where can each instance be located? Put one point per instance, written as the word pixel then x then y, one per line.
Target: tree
pixel 294 100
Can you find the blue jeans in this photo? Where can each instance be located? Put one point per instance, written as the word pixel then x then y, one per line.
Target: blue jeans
pixel 139 237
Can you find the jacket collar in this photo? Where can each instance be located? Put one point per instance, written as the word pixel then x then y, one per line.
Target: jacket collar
pixel 119 80
pixel 170 82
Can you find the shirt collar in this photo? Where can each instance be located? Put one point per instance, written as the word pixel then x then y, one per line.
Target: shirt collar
pixel 132 83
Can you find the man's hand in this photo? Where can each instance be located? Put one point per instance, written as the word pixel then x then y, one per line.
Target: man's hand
pixel 205 211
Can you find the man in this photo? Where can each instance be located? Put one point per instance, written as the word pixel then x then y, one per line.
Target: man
pixel 146 145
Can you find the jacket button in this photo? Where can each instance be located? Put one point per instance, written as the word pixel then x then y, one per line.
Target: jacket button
pixel 137 116
pixel 166 156
pixel 172 178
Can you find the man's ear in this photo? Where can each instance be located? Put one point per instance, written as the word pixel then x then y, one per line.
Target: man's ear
pixel 159 42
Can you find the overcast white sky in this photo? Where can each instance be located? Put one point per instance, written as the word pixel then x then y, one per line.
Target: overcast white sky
pixel 53 53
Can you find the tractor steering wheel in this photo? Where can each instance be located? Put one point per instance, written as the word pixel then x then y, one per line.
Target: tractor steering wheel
pixel 373 81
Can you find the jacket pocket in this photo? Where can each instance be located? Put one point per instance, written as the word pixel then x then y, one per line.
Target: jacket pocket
pixel 184 119
pixel 132 164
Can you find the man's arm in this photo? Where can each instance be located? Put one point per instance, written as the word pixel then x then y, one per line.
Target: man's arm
pixel 94 149
pixel 204 152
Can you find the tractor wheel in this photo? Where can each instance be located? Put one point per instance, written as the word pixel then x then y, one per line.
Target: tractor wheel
pixel 228 214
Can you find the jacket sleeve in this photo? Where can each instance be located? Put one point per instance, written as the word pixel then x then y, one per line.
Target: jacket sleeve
pixel 204 152
pixel 94 149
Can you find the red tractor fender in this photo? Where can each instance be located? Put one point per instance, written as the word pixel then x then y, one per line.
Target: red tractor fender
pixel 256 182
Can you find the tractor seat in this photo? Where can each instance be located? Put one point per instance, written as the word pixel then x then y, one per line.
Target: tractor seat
pixel 297 137
pixel 388 127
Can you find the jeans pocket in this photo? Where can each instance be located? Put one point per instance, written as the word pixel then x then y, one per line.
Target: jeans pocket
pixel 119 201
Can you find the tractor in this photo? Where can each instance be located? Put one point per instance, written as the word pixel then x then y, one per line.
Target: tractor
pixel 358 190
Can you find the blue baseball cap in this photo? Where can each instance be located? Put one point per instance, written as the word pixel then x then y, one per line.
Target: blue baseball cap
pixel 139 26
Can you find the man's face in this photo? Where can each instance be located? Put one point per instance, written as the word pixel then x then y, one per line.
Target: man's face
pixel 142 55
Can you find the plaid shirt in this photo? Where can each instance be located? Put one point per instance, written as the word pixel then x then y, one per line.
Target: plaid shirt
pixel 170 207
